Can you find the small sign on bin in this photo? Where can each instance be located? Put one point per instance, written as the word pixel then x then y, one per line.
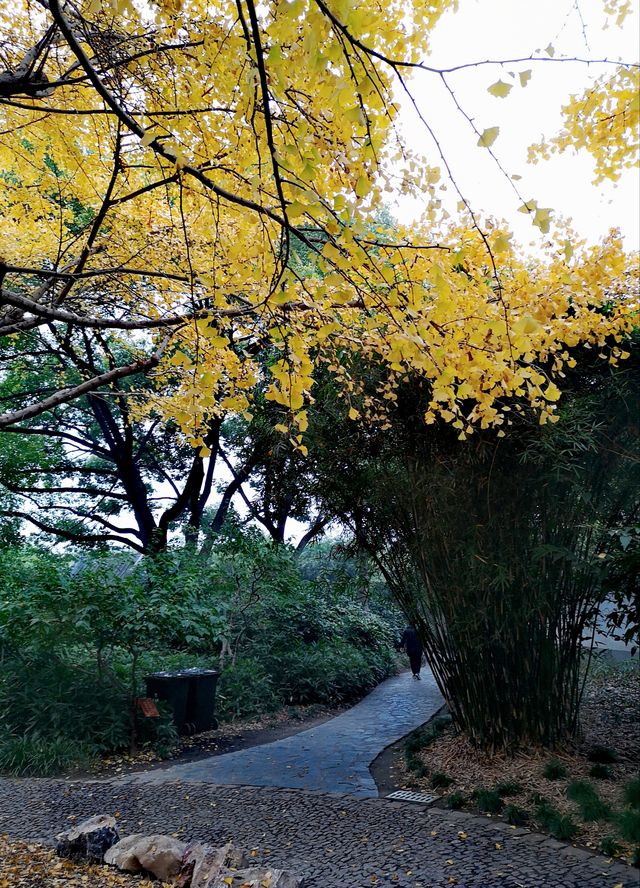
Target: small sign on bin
pixel 147 707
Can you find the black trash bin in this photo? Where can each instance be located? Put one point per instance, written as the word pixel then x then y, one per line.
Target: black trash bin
pixel 201 701
pixel 173 688
pixel 191 693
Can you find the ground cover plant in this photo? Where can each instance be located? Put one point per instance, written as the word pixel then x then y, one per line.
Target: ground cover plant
pixel 78 635
pixel 570 805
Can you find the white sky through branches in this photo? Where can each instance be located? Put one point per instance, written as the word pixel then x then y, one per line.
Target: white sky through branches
pixel 507 29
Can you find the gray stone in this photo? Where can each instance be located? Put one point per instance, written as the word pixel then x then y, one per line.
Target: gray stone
pixel 160 855
pixel 88 840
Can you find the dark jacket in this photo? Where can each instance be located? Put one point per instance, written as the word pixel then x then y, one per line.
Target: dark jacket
pixel 411 642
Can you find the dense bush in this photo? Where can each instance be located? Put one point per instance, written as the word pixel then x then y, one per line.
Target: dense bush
pixel 78 635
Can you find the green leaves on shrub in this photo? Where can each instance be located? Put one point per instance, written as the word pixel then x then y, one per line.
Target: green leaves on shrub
pixel 455 800
pixel 35 756
pixel 554 770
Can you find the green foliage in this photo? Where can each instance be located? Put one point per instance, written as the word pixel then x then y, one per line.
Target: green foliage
pixel 629 826
pixel 77 637
pixel 31 755
pixel 440 780
pixel 515 816
pixel 554 770
pixel 498 551
pixel 600 772
pixel 560 826
pixel 508 788
pixel 488 801
pixel 589 802
pixel 602 755
pixel 635 857
pixel 632 793
pixel 609 847
pixel 456 800
pixel 417 767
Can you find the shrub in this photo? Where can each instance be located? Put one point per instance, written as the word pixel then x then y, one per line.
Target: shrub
pixel 560 826
pixel 554 770
pixel 586 797
pixel 629 826
pixel 35 756
pixel 417 767
pixel 603 755
pixel 609 847
pixel 632 793
pixel 635 857
pixel 515 816
pixel 488 801
pixel 508 788
pixel 600 772
pixel 456 800
pixel 420 740
pixel 440 780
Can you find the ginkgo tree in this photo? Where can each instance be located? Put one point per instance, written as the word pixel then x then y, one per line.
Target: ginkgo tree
pixel 157 158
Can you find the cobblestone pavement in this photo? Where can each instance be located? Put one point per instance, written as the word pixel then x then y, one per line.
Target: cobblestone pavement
pixel 332 757
pixel 334 841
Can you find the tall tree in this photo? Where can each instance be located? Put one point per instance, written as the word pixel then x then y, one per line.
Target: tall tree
pixel 498 549
pixel 199 140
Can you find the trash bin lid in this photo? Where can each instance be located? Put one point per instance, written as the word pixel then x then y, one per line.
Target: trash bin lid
pixel 196 671
pixel 165 675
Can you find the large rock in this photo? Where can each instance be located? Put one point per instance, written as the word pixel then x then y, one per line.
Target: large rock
pixel 202 863
pixel 256 877
pixel 207 867
pixel 159 855
pixel 88 840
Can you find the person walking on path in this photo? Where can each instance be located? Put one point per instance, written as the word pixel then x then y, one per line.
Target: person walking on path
pixel 413 646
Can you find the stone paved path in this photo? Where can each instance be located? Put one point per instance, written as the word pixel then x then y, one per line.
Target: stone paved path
pixel 332 757
pixel 334 841
pixel 338 838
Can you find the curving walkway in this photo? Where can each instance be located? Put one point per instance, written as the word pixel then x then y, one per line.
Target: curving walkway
pixel 307 803
pixel 332 757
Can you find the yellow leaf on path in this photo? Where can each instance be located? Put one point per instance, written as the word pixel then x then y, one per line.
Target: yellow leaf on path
pixel 488 137
pixel 353 413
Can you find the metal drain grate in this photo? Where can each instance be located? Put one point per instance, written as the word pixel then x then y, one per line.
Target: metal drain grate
pixel 405 795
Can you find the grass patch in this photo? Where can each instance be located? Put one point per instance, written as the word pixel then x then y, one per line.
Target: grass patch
pixel 554 770
pixel 488 801
pixel 603 755
pixel 35 756
pixel 508 788
pixel 635 857
pixel 586 797
pixel 515 815
pixel 417 767
pixel 609 847
pixel 632 793
pixel 560 826
pixel 440 780
pixel 629 826
pixel 601 772
pixel 456 800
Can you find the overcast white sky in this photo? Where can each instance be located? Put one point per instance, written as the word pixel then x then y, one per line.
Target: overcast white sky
pixel 503 29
